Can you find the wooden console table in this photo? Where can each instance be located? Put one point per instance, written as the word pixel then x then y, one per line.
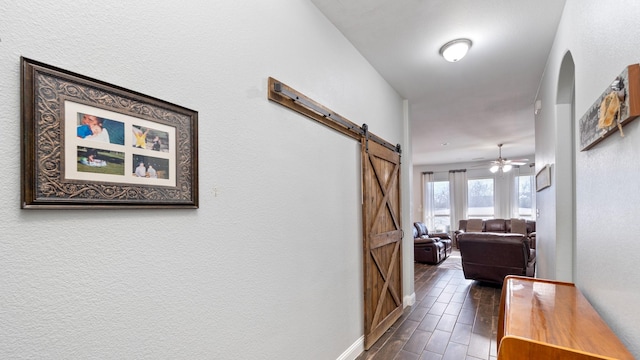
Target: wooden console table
pixel 544 319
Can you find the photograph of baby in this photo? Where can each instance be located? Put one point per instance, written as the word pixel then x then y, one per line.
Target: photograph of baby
pixel 147 138
pixel 150 167
pixel 100 161
pixel 94 128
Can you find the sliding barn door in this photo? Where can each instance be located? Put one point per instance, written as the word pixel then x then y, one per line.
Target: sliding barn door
pixel 382 239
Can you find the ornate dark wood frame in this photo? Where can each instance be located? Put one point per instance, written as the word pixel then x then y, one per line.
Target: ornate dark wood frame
pixel 44 89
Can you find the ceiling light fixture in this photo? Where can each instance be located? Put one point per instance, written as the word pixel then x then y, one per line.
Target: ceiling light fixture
pixel 455 50
pixel 505 168
pixel 504 165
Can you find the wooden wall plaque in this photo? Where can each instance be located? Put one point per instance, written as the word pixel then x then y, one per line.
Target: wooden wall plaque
pixel 627 84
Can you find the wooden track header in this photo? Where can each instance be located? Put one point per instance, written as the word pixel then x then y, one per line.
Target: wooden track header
pixel 296 101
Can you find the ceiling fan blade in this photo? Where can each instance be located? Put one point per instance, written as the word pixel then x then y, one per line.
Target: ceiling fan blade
pixel 517 162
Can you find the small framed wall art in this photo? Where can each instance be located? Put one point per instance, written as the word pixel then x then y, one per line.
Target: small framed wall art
pixel 543 178
pixel 89 144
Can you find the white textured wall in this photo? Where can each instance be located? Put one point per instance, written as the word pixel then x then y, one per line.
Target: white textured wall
pixel 406 184
pixel 269 266
pixel 603 38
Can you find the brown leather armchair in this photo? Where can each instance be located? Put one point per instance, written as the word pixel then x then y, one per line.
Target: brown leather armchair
pixel 430 248
pixel 490 257
pixel 497 226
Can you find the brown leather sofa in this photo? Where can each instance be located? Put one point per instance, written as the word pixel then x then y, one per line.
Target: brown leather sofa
pixel 498 226
pixel 489 257
pixel 430 248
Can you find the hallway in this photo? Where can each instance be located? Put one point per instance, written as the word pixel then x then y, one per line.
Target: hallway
pixel 453 318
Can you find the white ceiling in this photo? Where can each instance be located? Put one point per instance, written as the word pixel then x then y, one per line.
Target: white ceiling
pixel 472 105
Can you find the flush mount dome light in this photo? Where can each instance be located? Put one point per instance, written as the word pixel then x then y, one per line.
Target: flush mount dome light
pixel 455 50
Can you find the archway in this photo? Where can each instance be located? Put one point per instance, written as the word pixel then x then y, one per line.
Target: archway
pixel 565 172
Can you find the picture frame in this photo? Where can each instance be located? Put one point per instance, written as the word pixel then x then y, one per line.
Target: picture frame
pixel 543 178
pixel 87 144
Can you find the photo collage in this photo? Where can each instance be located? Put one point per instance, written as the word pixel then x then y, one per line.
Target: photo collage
pixel 106 146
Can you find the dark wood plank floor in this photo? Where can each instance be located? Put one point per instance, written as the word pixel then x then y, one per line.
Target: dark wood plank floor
pixel 453 318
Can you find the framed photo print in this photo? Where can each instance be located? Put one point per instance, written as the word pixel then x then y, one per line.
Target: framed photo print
pixel 89 144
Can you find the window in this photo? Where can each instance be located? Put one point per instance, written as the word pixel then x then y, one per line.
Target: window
pixel 441 205
pixel 525 196
pixel 480 199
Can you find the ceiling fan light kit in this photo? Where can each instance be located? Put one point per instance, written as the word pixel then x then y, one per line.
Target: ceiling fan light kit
pixel 505 168
pixel 504 165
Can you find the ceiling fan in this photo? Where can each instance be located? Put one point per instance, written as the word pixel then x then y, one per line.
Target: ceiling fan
pixel 503 164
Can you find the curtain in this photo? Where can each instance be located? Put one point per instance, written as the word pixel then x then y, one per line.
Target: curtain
pixel 532 186
pixel 514 190
pixel 504 200
pixel 427 200
pixel 458 196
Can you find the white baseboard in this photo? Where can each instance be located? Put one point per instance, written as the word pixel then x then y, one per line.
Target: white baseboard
pixel 409 300
pixel 358 347
pixel 353 351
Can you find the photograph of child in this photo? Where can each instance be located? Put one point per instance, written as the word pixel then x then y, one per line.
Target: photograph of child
pixel 91 127
pixel 92 160
pixel 151 139
pixel 150 167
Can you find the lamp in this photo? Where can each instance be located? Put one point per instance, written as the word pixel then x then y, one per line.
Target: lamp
pixel 505 168
pixel 455 50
